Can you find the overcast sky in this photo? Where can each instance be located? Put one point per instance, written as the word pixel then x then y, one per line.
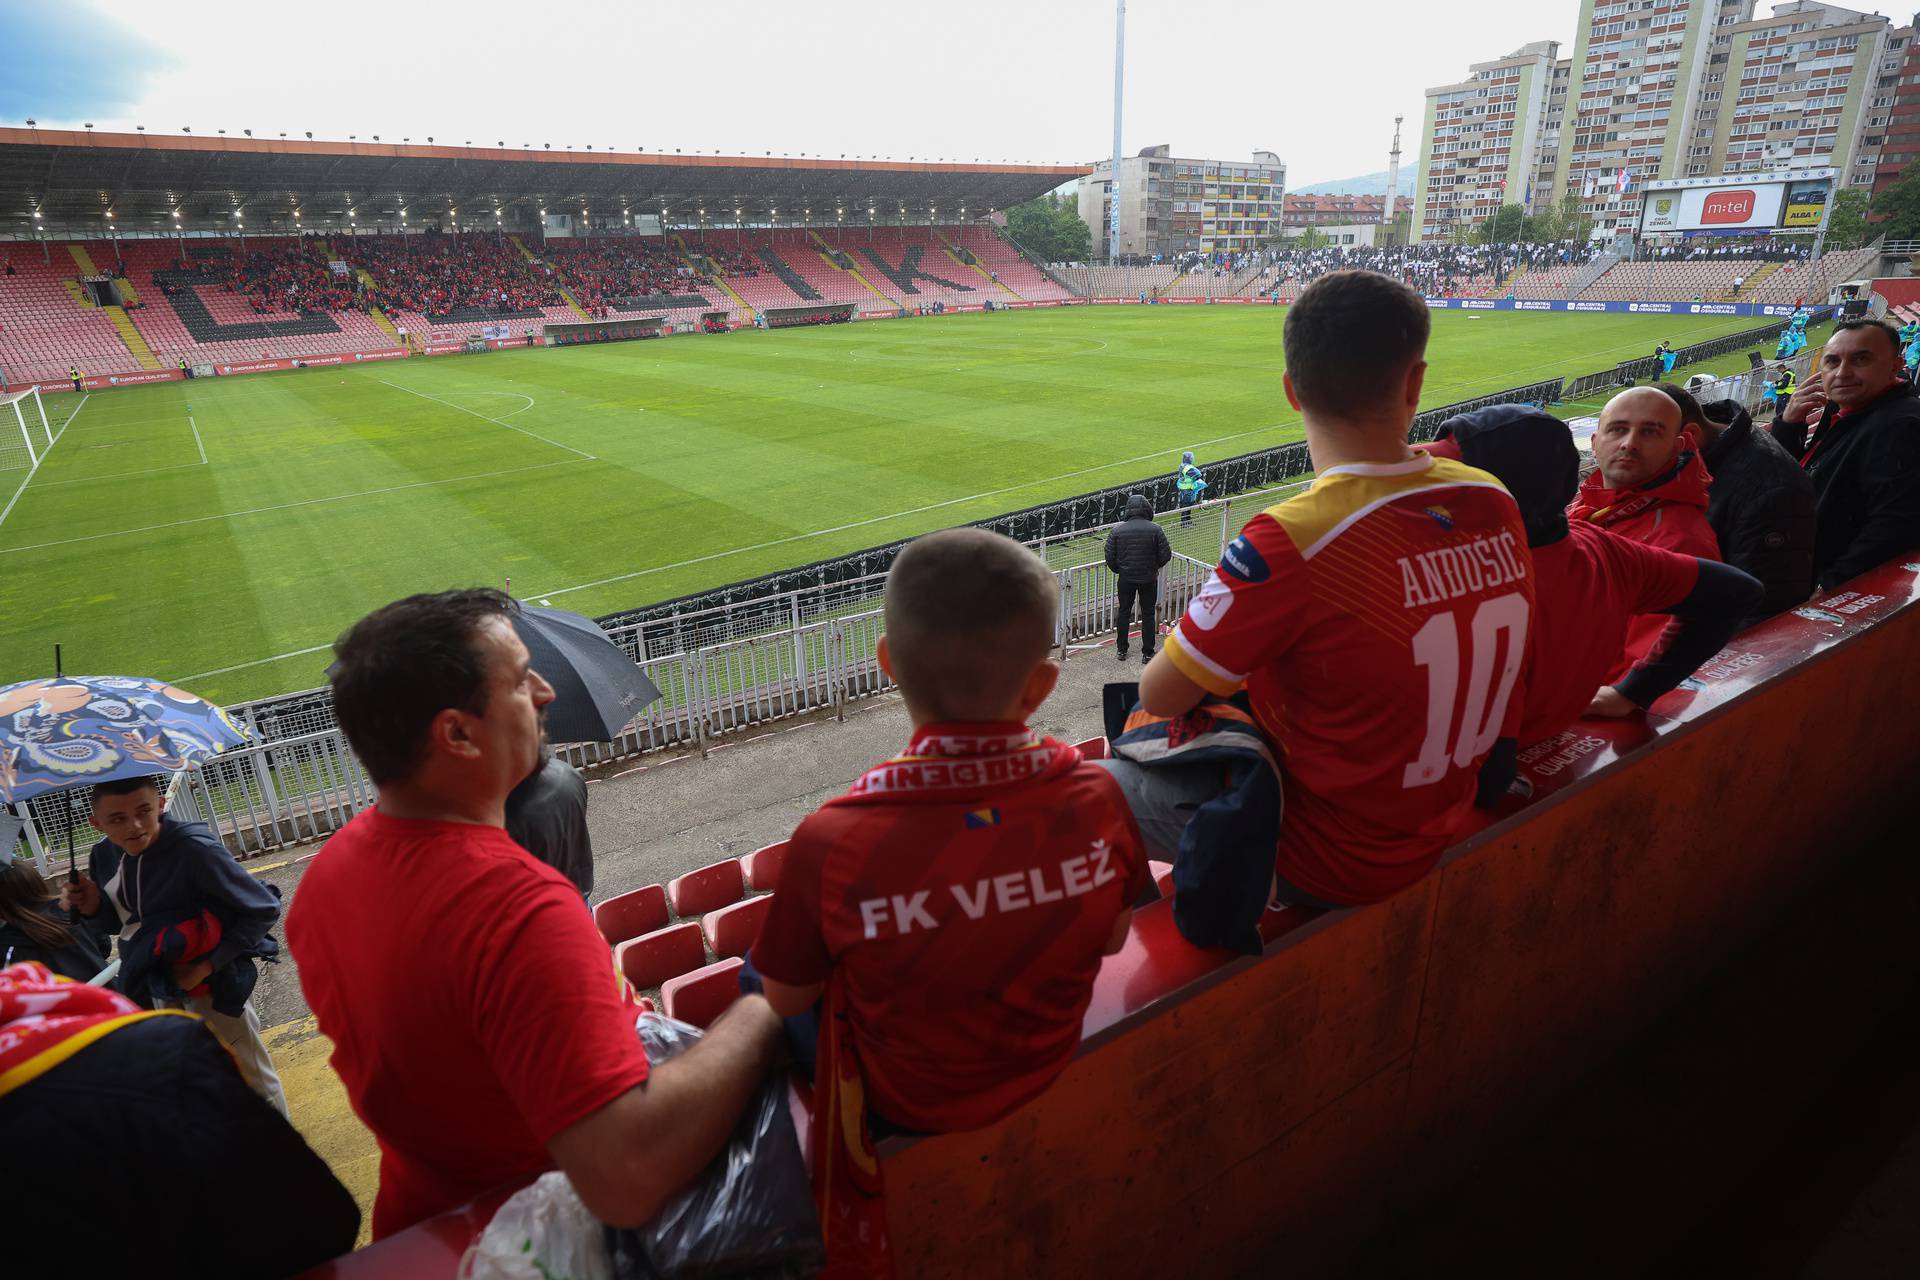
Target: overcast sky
pixel 1025 80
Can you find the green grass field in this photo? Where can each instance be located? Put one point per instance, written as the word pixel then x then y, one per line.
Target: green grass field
pixel 221 533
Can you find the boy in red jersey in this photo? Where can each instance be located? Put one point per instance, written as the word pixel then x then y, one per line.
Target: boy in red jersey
pixel 957 901
pixel 1378 621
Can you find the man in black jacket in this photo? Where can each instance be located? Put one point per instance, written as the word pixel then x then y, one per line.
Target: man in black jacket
pixel 547 816
pixel 1760 503
pixel 1856 430
pixel 1137 549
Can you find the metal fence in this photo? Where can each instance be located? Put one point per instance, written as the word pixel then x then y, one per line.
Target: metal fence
pixel 1643 368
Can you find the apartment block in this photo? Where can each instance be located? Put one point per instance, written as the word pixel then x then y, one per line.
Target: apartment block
pixel 1170 205
pixel 1893 121
pixel 1641 71
pixel 1482 139
pixel 1799 95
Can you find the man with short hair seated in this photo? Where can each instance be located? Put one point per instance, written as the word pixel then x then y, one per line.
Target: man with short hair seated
pixel 476 1019
pixel 1856 429
pixel 1378 621
pixel 1650 486
pixel 1589 584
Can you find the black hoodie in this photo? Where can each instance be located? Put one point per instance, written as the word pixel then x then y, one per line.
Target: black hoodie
pixel 1760 505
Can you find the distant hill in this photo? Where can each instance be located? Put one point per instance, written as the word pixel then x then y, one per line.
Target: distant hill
pixel 1369 184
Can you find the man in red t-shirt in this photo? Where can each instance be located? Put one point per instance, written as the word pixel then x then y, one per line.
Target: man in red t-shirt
pixel 476 1020
pixel 1650 485
pixel 962 894
pixel 1378 621
pixel 1589 583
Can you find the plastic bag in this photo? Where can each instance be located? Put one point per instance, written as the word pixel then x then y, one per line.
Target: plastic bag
pixel 748 1216
pixel 542 1232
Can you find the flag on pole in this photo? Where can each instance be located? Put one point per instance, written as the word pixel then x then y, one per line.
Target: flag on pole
pixel 1620 187
pixel 1591 181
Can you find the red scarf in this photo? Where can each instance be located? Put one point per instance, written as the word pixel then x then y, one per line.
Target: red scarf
pixel 1684 483
pixel 46 1019
pixel 943 763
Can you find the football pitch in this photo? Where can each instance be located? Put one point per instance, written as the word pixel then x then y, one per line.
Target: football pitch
pixel 220 533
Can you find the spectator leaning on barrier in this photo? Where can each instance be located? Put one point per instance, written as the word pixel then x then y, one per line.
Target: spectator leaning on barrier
pixel 1856 430
pixel 1351 612
pixel 1650 485
pixel 1589 585
pixel 1760 503
pixel 159 883
pixel 477 1022
pixel 1137 549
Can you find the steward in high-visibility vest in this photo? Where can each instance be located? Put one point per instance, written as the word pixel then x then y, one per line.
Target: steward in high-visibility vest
pixel 1190 483
pixel 73 371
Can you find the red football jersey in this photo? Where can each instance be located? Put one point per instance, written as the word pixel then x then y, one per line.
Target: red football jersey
pixel 1590 586
pixel 1379 623
pixel 966 891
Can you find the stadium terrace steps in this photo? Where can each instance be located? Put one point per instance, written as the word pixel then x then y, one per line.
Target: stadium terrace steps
pixel 83 259
pixel 830 254
pixel 573 304
pixel 142 353
pixel 1754 281
pixel 78 292
pixel 525 252
pixel 44 329
pixel 802 290
pixel 385 326
pixel 955 249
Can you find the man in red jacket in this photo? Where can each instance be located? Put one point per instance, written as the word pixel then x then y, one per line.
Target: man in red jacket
pixel 1650 486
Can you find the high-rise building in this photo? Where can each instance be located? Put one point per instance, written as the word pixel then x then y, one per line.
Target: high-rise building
pixel 1641 71
pixel 1799 94
pixel 1896 106
pixel 1481 141
pixel 1170 206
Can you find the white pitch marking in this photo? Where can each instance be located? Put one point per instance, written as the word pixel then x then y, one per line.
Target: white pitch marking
pixel 197 443
pixel 34 470
pixel 498 422
pixel 287 506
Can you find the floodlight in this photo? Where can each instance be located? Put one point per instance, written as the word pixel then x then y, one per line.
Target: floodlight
pixel 89 124
pixel 248 132
pixel 309 134
pixel 31 122
pixel 176 213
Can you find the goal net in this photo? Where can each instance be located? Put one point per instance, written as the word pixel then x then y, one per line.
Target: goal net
pixel 24 431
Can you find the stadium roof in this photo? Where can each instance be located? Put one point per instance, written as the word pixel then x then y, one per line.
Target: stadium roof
pixel 74 179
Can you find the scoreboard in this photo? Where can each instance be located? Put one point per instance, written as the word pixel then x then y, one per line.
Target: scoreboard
pixel 1746 204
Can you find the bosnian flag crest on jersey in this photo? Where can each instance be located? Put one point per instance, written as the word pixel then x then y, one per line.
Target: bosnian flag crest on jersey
pixel 979 819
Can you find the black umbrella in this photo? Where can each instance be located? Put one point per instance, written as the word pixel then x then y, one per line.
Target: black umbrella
pixel 597 688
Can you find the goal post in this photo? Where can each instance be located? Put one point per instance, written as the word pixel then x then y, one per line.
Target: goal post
pixel 25 432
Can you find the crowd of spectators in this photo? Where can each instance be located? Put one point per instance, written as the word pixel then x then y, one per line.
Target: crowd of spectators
pixel 437 274
pixel 1723 249
pixel 601 273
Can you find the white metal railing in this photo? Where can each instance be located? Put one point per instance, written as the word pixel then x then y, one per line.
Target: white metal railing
pixel 291 789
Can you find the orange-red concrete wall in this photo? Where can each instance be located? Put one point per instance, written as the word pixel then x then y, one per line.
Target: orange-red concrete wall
pixel 1266 1123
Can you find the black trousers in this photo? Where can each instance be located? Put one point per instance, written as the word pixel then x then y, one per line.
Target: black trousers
pixel 1148 594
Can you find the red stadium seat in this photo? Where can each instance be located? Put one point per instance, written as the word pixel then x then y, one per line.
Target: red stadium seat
pixel 762 867
pixel 731 930
pixel 1162 876
pixel 628 915
pixel 698 892
pixel 652 959
pixel 1093 748
pixel 703 995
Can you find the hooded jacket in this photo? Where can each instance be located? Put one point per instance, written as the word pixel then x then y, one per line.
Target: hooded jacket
pixel 1668 511
pixel 1137 548
pixel 184 872
pixel 1760 505
pixel 1865 468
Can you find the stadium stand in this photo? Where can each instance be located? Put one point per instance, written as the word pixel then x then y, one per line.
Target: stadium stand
pixel 1813 280
pixel 1002 259
pixel 1546 282
pixel 45 329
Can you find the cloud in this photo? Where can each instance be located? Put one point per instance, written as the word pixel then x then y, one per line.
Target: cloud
pixel 69 63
